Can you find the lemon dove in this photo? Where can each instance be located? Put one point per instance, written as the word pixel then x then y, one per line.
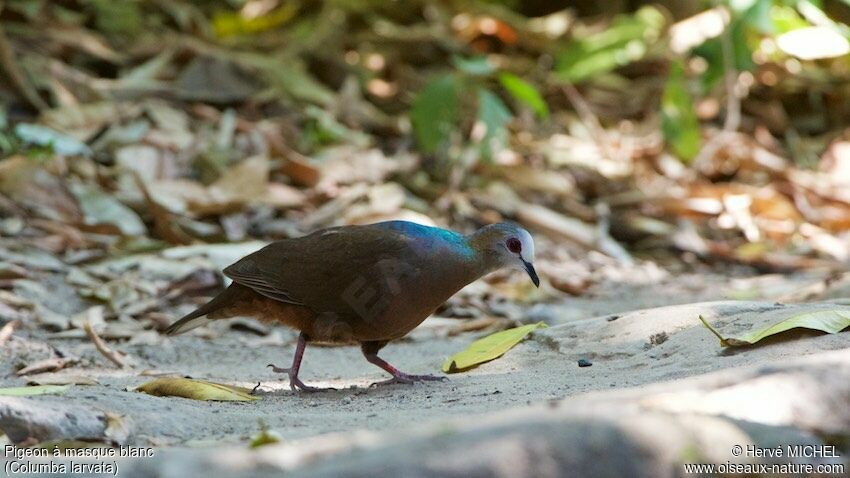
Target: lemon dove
pixel 363 285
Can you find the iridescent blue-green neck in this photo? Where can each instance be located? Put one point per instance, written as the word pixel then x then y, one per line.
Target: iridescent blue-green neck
pixel 428 237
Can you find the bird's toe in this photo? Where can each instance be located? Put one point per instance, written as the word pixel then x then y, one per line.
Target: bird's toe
pixel 428 378
pixel 297 385
pixel 408 379
pixel 391 381
pixel 277 369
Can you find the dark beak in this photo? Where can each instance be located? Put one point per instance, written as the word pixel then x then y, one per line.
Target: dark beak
pixel 531 273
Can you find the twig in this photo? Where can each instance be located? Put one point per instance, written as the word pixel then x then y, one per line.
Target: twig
pixel 583 109
pixel 7 331
pixel 100 345
pixel 591 122
pixel 733 102
pixel 605 242
pixel 49 365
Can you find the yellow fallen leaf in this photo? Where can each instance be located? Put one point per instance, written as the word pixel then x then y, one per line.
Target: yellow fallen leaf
pixel 829 321
pixel 196 390
pixel 488 348
pixel 36 390
pixel 242 23
pixel 265 437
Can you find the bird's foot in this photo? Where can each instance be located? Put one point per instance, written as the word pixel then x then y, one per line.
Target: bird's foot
pixel 402 377
pixel 295 383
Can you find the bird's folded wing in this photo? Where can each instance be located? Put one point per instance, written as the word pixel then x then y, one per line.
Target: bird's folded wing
pixel 315 270
pixel 262 287
pixel 248 273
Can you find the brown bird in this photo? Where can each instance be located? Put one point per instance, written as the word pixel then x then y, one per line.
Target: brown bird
pixel 361 284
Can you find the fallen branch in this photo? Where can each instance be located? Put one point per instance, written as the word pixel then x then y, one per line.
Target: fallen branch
pixel 589 119
pixel 48 365
pixel 113 356
pixel 553 222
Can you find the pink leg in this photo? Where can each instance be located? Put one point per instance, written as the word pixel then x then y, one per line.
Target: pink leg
pixel 398 376
pixel 295 383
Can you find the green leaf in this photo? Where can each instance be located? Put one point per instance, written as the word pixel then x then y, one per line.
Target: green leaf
pixel 679 120
pixel 758 16
pixel 525 93
pixel 477 65
pixel 488 348
pixel 626 40
pixel 829 321
pixel 785 19
pixel 434 113
pixel 196 390
pixel 744 42
pixel 35 390
pixel 493 113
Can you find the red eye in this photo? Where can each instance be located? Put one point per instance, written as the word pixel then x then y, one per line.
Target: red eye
pixel 514 245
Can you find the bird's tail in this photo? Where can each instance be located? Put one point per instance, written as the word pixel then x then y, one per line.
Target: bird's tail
pixel 199 316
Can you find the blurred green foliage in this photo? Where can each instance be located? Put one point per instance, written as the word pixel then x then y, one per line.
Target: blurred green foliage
pixel 629 38
pixel 679 120
pixel 435 112
pixel 525 93
pixel 494 115
pixel 486 62
pixel 626 40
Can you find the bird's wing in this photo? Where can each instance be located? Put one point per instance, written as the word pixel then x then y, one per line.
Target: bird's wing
pixel 317 270
pixel 248 274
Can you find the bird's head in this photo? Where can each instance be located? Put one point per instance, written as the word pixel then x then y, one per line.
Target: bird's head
pixel 506 245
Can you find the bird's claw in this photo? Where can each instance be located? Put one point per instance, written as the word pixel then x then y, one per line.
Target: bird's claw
pixel 408 379
pixel 295 383
pixel 277 369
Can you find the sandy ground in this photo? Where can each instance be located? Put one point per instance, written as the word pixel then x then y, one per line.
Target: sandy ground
pixel 607 328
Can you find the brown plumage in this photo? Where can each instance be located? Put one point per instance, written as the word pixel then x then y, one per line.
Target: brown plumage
pixel 361 284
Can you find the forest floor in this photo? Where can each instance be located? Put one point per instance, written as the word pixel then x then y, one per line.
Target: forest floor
pixel 614 326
